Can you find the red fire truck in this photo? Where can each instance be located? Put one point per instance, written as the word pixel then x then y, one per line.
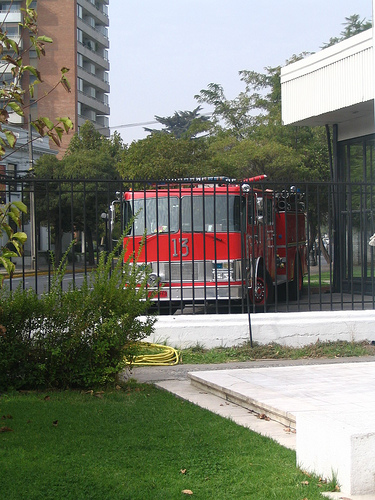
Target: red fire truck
pixel 217 239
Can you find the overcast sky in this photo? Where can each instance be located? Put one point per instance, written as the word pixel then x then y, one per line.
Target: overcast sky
pixel 163 52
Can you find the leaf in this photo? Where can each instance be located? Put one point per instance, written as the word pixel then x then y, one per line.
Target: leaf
pixel 65 83
pixel 263 416
pixel 187 492
pixel 67 123
pixel 48 123
pixel 6 429
pixel 21 206
pixel 16 108
pixel 9 60
pixel 4 115
pixel 44 38
pixel 59 131
pixel 11 138
pixel 33 71
pixel 14 215
pixel 54 137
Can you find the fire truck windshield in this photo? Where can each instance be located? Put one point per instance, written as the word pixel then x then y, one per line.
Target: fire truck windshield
pixel 197 213
pixel 210 213
pixel 152 217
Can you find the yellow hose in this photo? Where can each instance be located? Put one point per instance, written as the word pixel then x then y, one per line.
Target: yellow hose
pixel 167 356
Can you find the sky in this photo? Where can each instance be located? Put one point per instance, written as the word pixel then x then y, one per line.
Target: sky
pixel 163 52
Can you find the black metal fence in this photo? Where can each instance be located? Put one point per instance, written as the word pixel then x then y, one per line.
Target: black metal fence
pixel 337 271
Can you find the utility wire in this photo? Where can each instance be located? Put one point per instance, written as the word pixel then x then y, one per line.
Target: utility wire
pixel 140 124
pixel 128 125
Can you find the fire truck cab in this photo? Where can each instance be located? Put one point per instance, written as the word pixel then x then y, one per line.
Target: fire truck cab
pixel 217 239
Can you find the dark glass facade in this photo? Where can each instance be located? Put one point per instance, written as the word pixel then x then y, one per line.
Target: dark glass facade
pixel 354 215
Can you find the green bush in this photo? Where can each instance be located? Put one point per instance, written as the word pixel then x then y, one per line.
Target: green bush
pixel 78 337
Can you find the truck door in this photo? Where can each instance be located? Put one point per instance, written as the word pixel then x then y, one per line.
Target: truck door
pixel 264 230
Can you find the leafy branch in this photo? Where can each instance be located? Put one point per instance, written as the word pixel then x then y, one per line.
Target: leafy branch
pixel 13 247
pixel 13 67
pixel 12 94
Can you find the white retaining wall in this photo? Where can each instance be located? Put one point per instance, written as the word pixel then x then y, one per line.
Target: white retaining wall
pixel 290 329
pixel 341 445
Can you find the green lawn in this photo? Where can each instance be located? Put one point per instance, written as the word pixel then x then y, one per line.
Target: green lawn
pixel 244 352
pixel 137 443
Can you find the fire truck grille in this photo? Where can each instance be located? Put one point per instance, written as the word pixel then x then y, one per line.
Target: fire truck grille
pixel 187 269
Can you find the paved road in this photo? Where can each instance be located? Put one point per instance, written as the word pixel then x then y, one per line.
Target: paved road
pixel 150 374
pixel 41 283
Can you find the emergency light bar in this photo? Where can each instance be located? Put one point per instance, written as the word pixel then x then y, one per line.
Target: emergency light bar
pixel 228 180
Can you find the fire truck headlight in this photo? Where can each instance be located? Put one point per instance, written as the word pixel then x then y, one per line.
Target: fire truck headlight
pixel 153 280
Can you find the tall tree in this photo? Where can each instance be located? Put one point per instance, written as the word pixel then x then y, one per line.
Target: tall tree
pixel 183 124
pixel 83 184
pixel 250 138
pixel 352 26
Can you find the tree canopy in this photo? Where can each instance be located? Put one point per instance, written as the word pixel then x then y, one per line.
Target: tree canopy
pixel 352 26
pixel 183 124
pixel 90 158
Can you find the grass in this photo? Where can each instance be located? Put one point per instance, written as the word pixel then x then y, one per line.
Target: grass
pixel 325 278
pixel 137 443
pixel 198 354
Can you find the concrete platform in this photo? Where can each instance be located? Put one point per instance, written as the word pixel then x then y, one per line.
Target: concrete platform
pixel 287 391
pixel 282 394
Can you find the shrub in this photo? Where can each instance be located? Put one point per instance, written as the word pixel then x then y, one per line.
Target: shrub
pixel 78 337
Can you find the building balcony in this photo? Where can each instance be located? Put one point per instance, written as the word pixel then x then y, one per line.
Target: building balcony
pixel 104 130
pixel 95 12
pixel 91 102
pixel 93 80
pixel 93 33
pixel 93 56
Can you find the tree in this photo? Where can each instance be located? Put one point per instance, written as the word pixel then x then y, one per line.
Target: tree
pixel 79 186
pixel 183 124
pixel 353 25
pixel 163 156
pixel 250 139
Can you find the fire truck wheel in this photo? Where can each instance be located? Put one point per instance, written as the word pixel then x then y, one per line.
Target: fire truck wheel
pixel 296 286
pixel 263 293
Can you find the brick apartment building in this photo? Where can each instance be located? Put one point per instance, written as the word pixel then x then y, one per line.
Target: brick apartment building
pixel 79 29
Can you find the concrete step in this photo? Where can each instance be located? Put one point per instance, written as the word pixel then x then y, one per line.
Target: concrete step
pixel 234 396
